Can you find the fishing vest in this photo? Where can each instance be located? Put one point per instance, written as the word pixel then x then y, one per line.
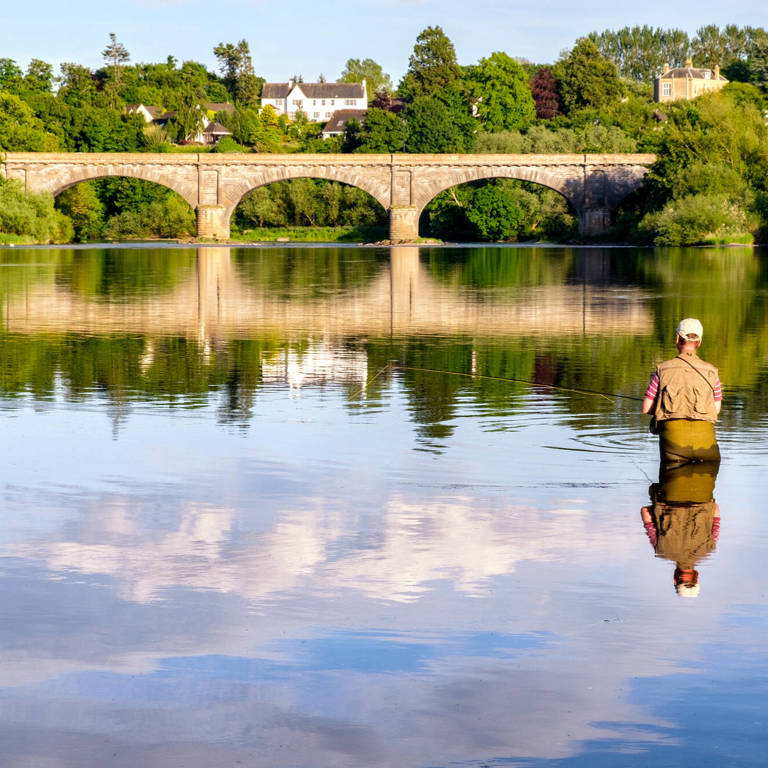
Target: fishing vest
pixel 684 532
pixel 686 389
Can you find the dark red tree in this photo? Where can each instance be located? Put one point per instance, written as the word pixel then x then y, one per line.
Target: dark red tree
pixel 546 93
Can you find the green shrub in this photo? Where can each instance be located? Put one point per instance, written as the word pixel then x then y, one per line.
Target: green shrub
pixel 31 216
pixel 228 144
pixel 167 218
pixel 695 219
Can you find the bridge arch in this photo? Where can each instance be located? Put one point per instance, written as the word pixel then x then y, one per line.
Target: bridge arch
pixel 498 208
pixel 75 174
pixel 252 178
pixel 568 188
pixel 316 202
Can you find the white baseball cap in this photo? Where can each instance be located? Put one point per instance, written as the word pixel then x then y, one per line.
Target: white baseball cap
pixel 690 329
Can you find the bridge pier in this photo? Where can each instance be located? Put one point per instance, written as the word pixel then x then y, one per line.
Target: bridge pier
pixel 212 222
pixel 594 221
pixel 403 225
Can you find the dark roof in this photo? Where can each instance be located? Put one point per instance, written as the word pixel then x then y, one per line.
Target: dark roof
pixel 216 129
pixel 341 117
pixel 275 90
pixel 314 90
pixel 165 117
pixel 332 90
pixel 695 73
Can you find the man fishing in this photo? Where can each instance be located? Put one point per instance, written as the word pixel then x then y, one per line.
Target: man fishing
pixel 684 396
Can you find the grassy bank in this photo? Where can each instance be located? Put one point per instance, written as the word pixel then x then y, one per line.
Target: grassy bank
pixel 312 234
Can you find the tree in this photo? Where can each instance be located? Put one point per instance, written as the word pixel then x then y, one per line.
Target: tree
pixel 382 132
pixel 84 209
pixel 503 100
pixel 429 127
pixel 39 76
pixel 20 130
pixel 499 210
pixel 586 78
pixel 709 46
pixel 432 65
pixel 77 87
pixel 190 118
pixel 115 55
pixel 758 64
pixel 11 77
pixel 236 66
pixel 355 71
pixel 546 94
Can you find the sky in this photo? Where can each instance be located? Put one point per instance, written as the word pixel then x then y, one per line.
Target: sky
pixel 309 37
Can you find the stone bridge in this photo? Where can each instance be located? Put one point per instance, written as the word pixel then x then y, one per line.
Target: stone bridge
pixel 213 184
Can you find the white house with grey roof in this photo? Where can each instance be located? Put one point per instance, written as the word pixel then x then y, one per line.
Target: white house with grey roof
pixel 318 101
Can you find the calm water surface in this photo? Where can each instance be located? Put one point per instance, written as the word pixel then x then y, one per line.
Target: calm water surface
pixel 343 507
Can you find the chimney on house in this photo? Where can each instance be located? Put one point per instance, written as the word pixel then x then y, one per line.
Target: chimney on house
pixel 717 71
pixel 665 69
pixel 291 83
pixel 689 62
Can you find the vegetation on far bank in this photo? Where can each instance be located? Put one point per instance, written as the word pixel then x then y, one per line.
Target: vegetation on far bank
pixel 709 184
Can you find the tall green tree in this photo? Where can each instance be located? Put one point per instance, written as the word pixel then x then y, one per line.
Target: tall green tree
pixel 20 130
pixel 587 79
pixel 39 76
pixel 77 87
pixel 115 55
pixel 237 68
pixel 430 128
pixel 432 65
pixel 381 132
pixel 11 77
pixel 355 71
pixel 503 100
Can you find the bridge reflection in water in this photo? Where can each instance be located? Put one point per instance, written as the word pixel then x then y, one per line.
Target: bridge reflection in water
pixel 217 302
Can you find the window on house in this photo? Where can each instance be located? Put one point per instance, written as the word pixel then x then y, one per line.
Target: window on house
pixel 316 114
pixel 333 101
pixel 314 102
pixel 298 102
pixel 327 114
pixel 349 101
pixel 666 89
pixel 323 102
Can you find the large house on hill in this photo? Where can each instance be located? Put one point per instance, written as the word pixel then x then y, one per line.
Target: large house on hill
pixel 318 101
pixel 687 82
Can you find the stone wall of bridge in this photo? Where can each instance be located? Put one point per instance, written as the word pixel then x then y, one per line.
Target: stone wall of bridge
pixel 214 184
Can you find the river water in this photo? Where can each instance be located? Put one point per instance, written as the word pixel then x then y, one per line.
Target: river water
pixel 344 507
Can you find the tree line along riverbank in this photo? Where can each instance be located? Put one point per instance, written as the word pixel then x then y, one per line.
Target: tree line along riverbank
pixel 709 184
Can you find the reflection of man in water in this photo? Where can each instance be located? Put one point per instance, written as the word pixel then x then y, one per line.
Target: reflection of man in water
pixel 683 521
pixel 684 396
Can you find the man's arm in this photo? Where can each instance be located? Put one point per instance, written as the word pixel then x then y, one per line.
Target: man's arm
pixel 651 393
pixel 718 395
pixel 650 528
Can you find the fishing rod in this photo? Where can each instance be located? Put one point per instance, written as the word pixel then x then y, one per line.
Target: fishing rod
pixel 594 392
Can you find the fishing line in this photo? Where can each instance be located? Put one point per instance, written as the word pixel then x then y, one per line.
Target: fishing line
pixel 370 381
pixel 519 381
